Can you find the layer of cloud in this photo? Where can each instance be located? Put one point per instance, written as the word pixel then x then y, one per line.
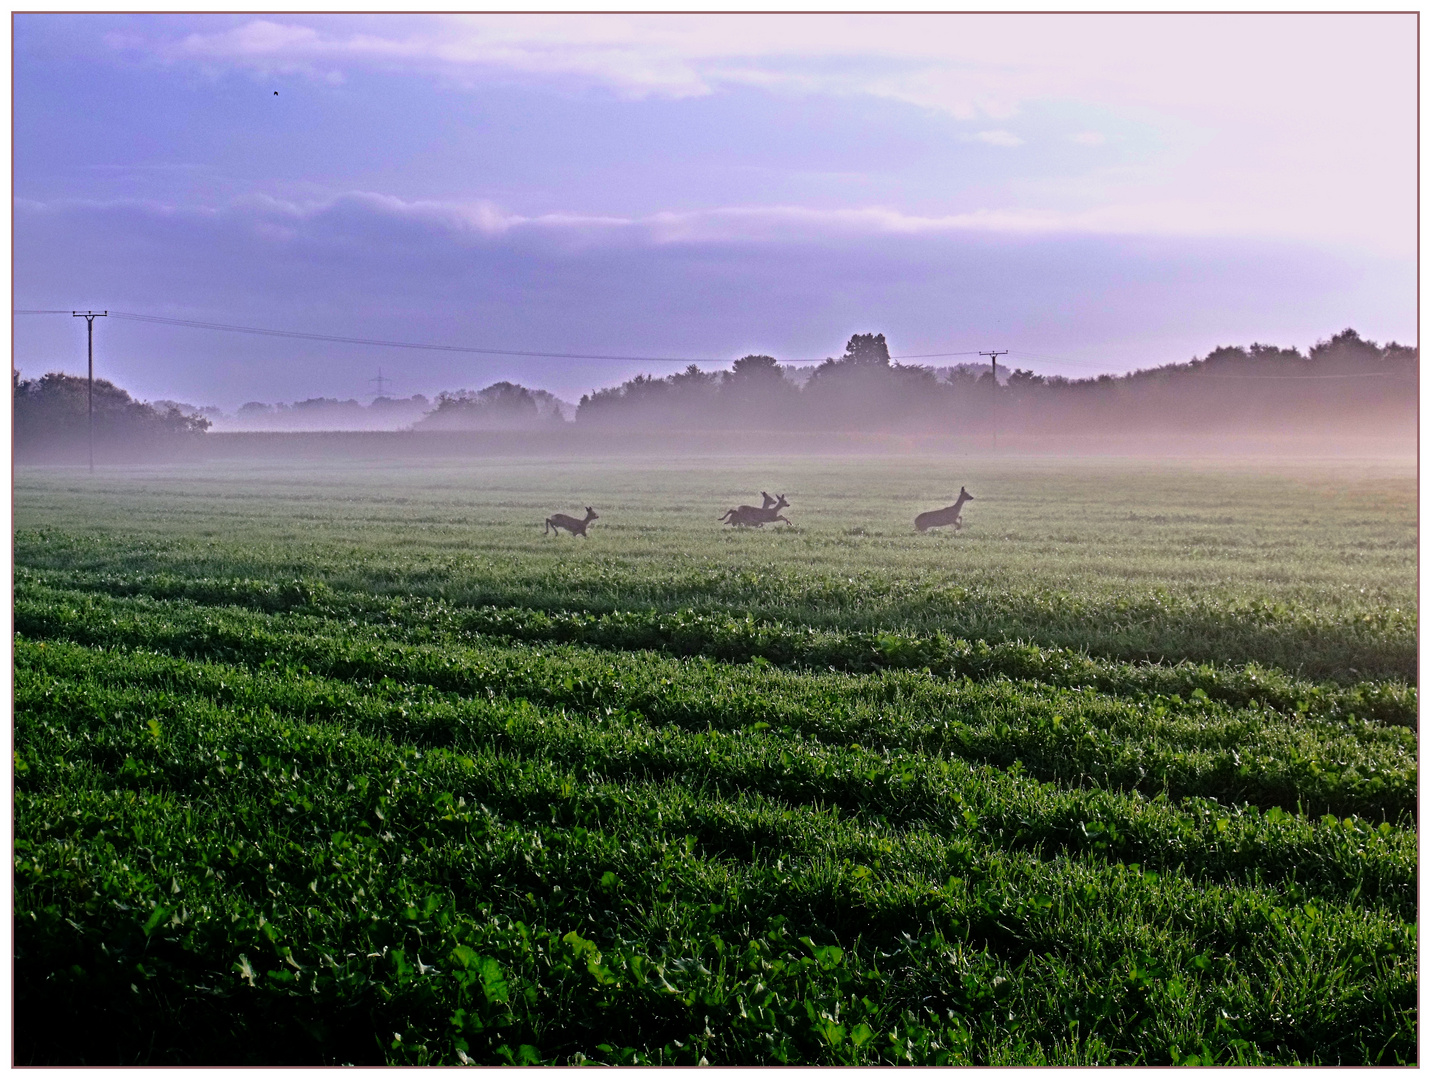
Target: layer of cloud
pixel 998 138
pixel 794 283
pixel 1277 114
pixel 965 64
pixel 361 217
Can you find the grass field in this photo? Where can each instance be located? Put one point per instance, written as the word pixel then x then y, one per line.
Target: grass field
pixel 332 764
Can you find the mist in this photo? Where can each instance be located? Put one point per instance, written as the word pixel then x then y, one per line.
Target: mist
pixel 1344 395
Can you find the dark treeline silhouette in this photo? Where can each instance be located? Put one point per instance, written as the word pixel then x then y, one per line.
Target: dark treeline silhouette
pixel 1343 385
pixel 1345 381
pixel 324 414
pixel 503 406
pixel 52 420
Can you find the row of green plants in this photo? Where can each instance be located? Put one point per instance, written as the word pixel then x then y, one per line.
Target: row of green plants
pixel 1320 637
pixel 1157 744
pixel 959 800
pixel 720 635
pixel 209 881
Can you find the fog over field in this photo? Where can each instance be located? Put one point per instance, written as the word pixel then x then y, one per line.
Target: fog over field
pixel 737 540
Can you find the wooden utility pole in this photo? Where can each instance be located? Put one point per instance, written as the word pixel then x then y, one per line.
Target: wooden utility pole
pixel 994 404
pixel 89 317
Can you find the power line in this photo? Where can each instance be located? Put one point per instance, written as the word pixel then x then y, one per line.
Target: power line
pixel 200 325
pixel 1059 359
pixel 532 354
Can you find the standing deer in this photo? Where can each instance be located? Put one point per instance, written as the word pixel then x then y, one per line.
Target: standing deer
pixel 758 515
pixel 575 526
pixel 948 516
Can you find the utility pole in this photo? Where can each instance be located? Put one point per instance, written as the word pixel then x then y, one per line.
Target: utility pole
pixel 994 374
pixel 380 380
pixel 89 317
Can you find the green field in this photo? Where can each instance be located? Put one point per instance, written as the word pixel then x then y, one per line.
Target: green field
pixel 351 764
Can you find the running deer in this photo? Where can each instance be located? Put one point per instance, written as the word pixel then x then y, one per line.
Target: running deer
pixel 575 526
pixel 948 516
pixel 758 515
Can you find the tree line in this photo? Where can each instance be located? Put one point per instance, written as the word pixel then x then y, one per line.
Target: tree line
pixel 52 419
pixel 1343 379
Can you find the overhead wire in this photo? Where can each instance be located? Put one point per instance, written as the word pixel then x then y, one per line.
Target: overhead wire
pixel 535 354
pixel 486 351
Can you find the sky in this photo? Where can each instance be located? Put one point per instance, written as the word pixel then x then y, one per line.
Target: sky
pixel 1091 192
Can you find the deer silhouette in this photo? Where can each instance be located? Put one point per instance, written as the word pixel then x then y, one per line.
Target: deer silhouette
pixel 932 519
pixel 758 516
pixel 575 526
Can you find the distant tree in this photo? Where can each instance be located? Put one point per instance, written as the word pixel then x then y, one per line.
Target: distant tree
pixel 757 370
pixel 1347 350
pixel 867 349
pixel 756 394
pixel 388 404
pixel 52 416
pixel 1023 384
pixel 503 405
pixel 1258 387
pixel 863 390
pixel 1265 354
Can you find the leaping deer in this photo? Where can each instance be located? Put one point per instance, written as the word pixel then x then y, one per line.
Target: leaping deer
pixel 932 519
pixel 575 526
pixel 758 515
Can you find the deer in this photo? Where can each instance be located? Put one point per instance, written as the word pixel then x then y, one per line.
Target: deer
pixel 758 515
pixel 575 526
pixel 932 519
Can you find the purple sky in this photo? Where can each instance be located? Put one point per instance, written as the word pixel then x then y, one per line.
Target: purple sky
pixel 1117 191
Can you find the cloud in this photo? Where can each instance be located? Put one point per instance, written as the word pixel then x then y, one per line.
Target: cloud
pixel 440 45
pixel 370 218
pixel 998 138
pixel 791 281
pixel 966 64
pixel 1238 109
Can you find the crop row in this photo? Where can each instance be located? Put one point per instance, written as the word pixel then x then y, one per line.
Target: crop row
pixel 724 636
pixel 1179 748
pixel 115 695
pixel 239 885
pixel 1317 642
